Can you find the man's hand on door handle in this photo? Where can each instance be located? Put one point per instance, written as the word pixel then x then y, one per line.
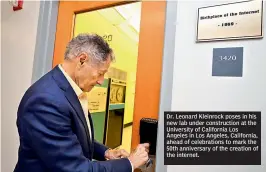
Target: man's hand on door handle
pixel 140 156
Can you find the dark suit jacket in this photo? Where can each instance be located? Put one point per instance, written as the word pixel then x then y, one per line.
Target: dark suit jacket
pixel 54 136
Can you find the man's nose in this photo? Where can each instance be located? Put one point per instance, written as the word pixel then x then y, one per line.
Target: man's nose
pixel 100 81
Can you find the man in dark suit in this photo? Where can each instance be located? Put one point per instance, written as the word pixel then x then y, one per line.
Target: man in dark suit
pixel 54 125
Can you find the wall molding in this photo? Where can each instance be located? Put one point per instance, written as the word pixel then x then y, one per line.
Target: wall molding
pixel 44 48
pixel 167 79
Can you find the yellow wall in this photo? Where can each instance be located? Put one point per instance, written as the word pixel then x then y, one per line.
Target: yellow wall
pixel 125 49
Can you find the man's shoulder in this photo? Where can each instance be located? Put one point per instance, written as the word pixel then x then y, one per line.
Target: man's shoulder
pixel 42 99
pixel 45 87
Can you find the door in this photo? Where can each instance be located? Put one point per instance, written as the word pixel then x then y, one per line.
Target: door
pixel 150 52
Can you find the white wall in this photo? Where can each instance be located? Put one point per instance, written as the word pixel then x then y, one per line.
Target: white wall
pixel 194 89
pixel 18 44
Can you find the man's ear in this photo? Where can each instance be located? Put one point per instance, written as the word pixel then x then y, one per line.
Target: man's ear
pixel 83 58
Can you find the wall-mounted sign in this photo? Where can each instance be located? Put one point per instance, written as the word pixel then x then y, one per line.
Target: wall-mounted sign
pixel 97 99
pixel 227 62
pixel 240 20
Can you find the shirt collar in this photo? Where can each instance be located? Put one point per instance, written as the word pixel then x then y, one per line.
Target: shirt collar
pixel 75 87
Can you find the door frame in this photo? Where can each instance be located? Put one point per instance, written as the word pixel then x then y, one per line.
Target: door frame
pixel 148 77
pixel 46 38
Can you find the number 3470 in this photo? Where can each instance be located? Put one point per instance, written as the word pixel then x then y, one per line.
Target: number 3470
pixel 228 58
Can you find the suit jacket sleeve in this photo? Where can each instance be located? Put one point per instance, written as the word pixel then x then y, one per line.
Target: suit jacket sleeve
pixel 46 123
pixel 99 151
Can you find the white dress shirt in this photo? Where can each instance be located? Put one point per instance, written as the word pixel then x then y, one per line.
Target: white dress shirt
pixel 83 99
